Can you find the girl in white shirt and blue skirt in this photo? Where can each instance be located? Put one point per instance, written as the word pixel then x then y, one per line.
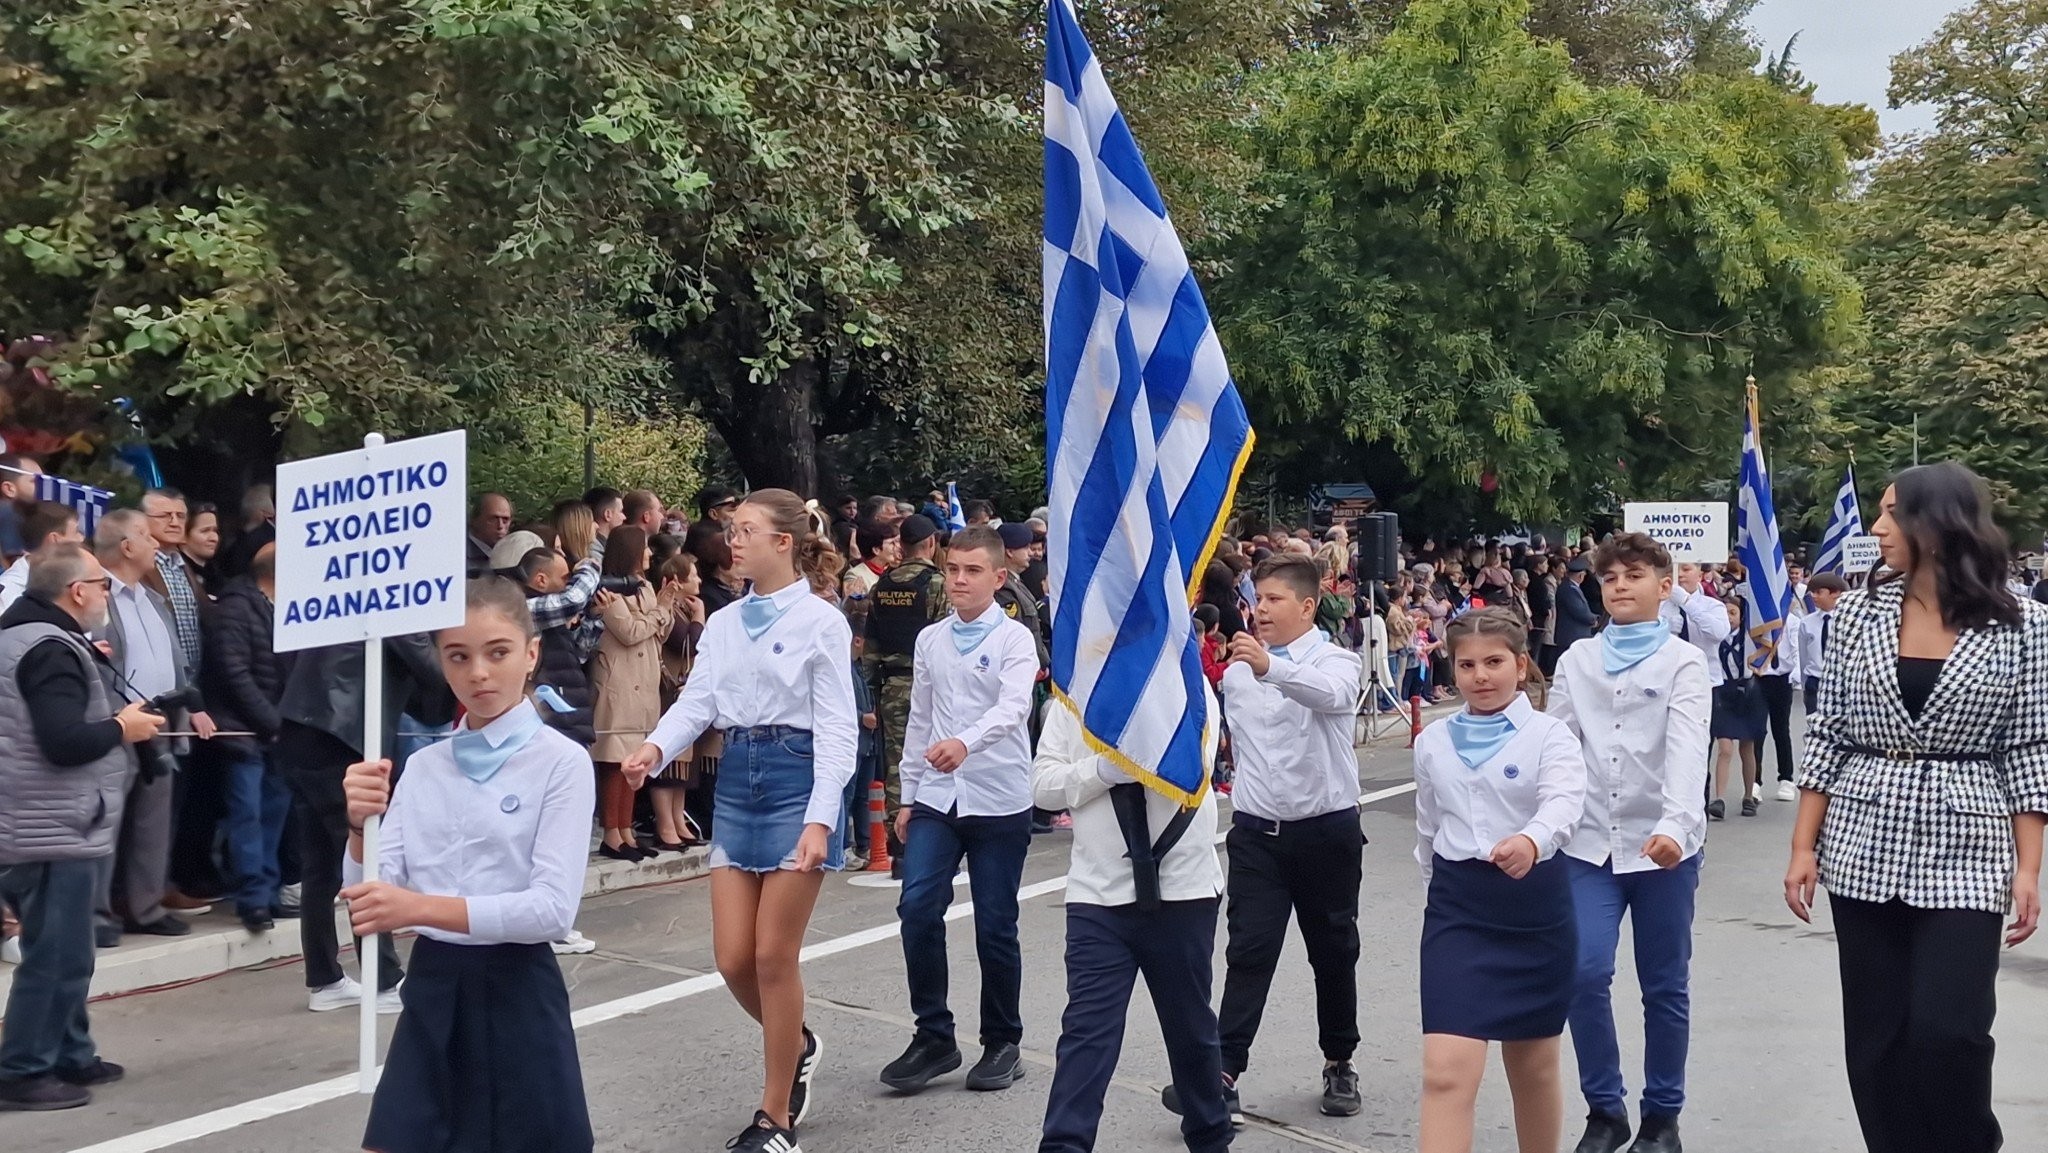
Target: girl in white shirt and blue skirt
pixel 1499 788
pixel 483 851
pixel 772 674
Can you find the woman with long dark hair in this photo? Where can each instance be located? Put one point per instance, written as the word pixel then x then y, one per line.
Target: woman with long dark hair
pixel 1922 808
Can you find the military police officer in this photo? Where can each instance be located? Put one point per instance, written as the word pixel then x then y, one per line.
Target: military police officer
pixel 1015 598
pixel 903 603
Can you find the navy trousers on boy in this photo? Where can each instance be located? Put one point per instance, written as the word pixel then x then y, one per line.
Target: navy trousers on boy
pixel 994 848
pixel 1659 904
pixel 1107 947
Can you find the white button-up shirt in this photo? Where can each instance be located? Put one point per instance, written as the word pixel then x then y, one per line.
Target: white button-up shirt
pixel 515 847
pixel 1701 619
pixel 1806 650
pixel 1645 737
pixel 982 698
pixel 1291 729
pixel 148 658
pixel 1069 775
pixel 798 673
pixel 1535 785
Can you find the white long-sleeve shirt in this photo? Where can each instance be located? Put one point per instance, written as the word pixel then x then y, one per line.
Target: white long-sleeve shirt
pixel 1808 653
pixel 1291 730
pixel 798 673
pixel 982 698
pixel 1700 619
pixel 1069 775
pixel 1644 732
pixel 13 583
pixel 1535 785
pixel 515 847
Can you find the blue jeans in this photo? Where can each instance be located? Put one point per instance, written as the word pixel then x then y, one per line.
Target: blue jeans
pixel 995 848
pixel 257 803
pixel 46 1028
pixel 1660 903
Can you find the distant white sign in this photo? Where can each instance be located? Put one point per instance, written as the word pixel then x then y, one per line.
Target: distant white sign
pixel 1695 531
pixel 370 542
pixel 1860 554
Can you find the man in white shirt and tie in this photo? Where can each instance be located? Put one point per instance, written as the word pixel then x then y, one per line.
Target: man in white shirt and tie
pixel 1295 842
pixel 966 775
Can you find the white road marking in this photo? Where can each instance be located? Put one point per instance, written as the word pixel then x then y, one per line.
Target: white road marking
pixel 320 1092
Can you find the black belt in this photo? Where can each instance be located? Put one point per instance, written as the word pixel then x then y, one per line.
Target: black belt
pixel 1915 756
pixel 764 732
pixel 1251 824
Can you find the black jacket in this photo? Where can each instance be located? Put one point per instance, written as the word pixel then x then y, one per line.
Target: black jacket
pixel 54 687
pixel 324 690
pixel 240 675
pixel 561 667
pixel 1574 616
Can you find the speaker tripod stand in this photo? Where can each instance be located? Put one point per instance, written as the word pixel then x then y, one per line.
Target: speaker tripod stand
pixel 1371 720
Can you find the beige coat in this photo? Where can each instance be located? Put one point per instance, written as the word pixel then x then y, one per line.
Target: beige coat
pixel 626 674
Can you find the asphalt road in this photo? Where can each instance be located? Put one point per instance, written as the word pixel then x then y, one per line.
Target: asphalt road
pixel 237 1064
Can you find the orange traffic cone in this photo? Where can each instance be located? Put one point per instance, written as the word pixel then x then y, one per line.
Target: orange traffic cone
pixel 878 830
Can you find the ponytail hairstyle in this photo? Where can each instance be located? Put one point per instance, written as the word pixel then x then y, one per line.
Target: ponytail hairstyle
pixel 813 556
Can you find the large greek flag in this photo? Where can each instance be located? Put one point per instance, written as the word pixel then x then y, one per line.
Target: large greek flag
pixel 1844 521
pixel 88 502
pixel 1145 434
pixel 1767 589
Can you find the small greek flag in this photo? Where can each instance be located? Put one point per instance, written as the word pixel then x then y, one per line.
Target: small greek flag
pixel 957 518
pixel 1145 435
pixel 89 502
pixel 1767 590
pixel 1844 521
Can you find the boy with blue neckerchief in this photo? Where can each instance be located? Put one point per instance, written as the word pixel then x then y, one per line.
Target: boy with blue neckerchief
pixel 1638 700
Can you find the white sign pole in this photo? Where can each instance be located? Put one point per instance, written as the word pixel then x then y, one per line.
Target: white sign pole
pixel 373 749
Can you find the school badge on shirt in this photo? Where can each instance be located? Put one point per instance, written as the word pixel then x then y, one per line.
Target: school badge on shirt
pixel 1511 772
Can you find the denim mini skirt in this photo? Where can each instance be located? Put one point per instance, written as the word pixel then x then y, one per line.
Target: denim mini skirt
pixel 764 788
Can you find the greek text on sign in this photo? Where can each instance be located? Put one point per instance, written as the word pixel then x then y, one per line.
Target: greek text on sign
pixel 370 542
pixel 1860 554
pixel 1695 531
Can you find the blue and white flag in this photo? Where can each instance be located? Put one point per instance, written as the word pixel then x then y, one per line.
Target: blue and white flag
pixel 90 503
pixel 1767 590
pixel 1844 521
pixel 956 519
pixel 1145 435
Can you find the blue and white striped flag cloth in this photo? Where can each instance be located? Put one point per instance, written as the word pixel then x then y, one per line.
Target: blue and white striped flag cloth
pixel 90 503
pixel 1767 590
pixel 957 518
pixel 1145 435
pixel 1844 521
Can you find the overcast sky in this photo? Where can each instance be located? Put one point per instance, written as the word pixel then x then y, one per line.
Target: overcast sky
pixel 1846 47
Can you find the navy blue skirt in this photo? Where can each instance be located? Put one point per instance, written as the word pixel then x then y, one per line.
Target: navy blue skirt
pixel 484 1057
pixel 760 801
pixel 1740 712
pixel 1499 955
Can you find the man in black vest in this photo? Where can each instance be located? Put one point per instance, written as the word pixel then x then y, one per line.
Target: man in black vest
pixel 904 602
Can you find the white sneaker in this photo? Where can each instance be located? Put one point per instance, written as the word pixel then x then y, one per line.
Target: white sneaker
pixel 388 1004
pixel 10 951
pixel 575 942
pixel 340 995
pixel 288 895
pixel 1787 792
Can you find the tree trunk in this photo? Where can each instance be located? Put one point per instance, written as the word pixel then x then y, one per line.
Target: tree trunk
pixel 772 434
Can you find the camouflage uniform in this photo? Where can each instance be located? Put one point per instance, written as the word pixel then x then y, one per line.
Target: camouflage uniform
pixel 907 599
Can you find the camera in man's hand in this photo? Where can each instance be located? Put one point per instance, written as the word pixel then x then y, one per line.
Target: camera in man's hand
pixel 621 586
pixel 153 758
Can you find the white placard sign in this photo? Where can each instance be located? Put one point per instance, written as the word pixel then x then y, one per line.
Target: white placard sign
pixel 370 542
pixel 1860 554
pixel 1695 531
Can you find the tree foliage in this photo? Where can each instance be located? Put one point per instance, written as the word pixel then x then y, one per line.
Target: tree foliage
pixel 1502 279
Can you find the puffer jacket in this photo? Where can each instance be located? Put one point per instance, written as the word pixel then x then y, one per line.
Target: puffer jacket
pixel 240 675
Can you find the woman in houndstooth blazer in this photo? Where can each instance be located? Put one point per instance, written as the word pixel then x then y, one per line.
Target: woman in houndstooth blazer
pixel 1923 802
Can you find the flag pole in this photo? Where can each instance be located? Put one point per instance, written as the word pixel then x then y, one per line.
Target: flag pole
pixel 373 749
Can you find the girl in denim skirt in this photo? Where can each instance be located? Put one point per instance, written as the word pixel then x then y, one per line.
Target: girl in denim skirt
pixel 772 675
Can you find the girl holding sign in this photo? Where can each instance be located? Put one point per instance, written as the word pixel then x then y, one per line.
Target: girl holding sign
pixel 484 848
pixel 772 674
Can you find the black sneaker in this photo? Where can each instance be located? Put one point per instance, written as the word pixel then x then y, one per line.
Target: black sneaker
pixel 806 1068
pixel 927 1057
pixel 1000 1067
pixel 258 921
pixel 1605 1133
pixel 1717 810
pixel 1749 806
pixel 40 1094
pixel 1170 1097
pixel 763 1137
pixel 1340 1090
pixel 1658 1135
pixel 98 1073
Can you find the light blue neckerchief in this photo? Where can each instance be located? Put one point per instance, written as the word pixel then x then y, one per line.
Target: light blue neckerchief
pixel 757 613
pixel 967 634
pixel 1478 738
pixel 1623 647
pixel 478 759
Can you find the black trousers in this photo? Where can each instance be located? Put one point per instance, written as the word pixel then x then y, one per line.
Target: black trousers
pixel 1313 869
pixel 199 802
pixel 313 764
pixel 1777 689
pixel 1917 1006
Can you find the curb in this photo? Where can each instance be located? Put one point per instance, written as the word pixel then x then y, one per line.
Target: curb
pixel 218 943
